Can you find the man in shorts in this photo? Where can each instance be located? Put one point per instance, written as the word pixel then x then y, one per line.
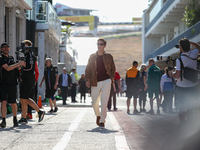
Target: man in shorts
pixel 8 83
pixel 153 84
pixel 51 81
pixel 27 83
pixel 133 84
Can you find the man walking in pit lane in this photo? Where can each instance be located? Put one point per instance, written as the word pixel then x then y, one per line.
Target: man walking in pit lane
pixel 99 72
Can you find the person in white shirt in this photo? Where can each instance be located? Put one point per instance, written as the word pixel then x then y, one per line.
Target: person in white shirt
pixel 64 82
pixel 186 90
pixel 167 89
pixel 74 84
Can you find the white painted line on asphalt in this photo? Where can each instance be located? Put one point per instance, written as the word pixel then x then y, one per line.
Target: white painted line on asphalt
pixel 67 136
pixel 120 139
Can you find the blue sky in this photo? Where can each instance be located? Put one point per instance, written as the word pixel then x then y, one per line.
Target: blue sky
pixel 110 10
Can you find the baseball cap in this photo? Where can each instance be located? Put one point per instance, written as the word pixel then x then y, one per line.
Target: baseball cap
pixel 4 44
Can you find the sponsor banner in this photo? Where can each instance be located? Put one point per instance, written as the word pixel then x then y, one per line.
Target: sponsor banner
pixel 89 19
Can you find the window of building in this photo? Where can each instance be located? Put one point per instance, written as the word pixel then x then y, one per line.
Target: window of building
pixel 75 12
pixel 82 12
pixel 87 13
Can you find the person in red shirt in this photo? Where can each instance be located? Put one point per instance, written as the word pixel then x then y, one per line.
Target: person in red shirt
pixel 113 92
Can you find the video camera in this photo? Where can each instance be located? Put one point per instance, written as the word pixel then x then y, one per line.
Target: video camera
pixel 177 46
pixel 166 59
pixel 21 52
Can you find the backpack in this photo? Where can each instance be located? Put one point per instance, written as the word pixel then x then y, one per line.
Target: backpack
pixel 188 73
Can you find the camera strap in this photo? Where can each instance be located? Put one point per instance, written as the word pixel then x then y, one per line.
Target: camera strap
pixel 189 57
pixel 181 68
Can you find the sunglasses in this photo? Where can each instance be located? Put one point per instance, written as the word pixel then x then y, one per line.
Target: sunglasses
pixel 101 44
pixel 5 47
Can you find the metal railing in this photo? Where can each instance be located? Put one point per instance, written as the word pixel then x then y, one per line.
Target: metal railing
pixel 45 13
pixel 163 9
pixel 190 33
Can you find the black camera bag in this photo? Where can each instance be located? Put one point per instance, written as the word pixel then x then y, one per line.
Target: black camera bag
pixel 188 73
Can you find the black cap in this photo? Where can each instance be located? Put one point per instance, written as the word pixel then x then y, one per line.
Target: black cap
pixel 4 44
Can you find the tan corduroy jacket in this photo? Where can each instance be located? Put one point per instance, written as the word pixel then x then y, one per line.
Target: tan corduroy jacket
pixel 91 70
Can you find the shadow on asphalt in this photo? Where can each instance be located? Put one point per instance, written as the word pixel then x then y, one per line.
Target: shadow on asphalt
pixel 50 114
pixel 136 114
pixel 102 130
pixel 114 110
pixel 15 128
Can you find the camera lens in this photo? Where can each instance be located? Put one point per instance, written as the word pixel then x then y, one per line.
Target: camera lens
pixel 177 46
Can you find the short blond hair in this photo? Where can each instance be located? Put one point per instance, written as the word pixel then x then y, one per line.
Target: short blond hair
pixel 142 67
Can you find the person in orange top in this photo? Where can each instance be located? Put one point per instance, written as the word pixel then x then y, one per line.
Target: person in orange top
pixel 133 84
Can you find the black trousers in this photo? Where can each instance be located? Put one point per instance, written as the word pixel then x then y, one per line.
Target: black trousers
pixel 112 96
pixel 167 103
pixel 73 92
pixel 82 92
pixel 142 98
pixel 34 97
pixel 64 93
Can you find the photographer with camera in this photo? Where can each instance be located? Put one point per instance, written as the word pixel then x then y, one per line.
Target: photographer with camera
pixel 186 89
pixel 27 82
pixel 8 83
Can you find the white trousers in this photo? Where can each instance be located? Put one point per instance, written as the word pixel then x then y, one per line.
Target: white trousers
pixel 101 91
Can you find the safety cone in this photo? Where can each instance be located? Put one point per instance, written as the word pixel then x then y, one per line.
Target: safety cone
pixel 40 102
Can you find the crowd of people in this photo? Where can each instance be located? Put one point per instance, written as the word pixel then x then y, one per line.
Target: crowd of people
pixel 103 83
pixel 139 83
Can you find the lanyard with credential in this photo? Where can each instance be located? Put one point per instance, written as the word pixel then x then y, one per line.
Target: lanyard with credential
pixel 64 76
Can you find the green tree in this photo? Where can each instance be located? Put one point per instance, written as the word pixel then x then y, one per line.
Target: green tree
pixel 192 13
pixel 67 30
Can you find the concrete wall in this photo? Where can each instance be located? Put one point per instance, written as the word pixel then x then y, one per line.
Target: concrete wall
pixel 149 45
pixel 12 25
